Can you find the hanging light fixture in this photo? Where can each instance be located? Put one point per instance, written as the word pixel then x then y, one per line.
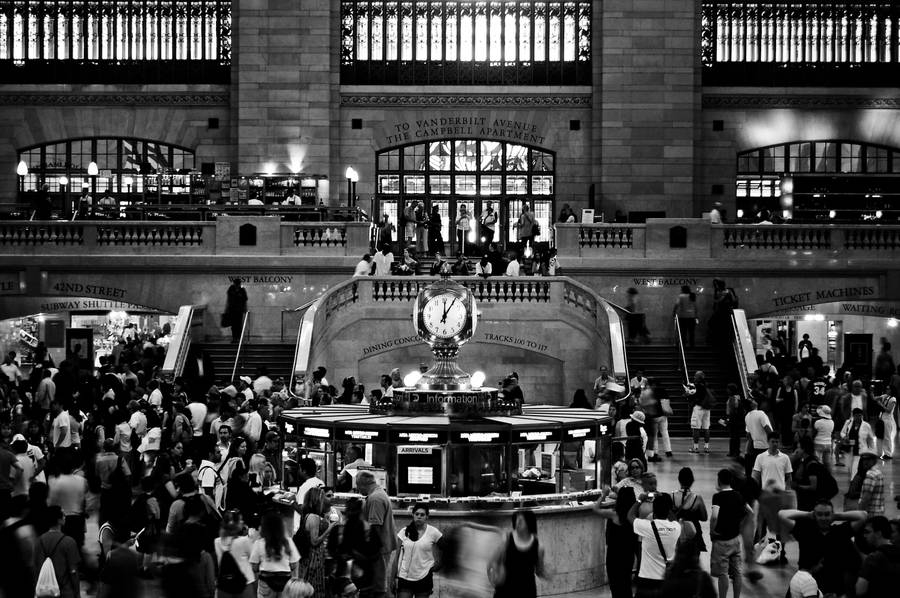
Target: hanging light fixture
pixel 92 169
pixel 22 168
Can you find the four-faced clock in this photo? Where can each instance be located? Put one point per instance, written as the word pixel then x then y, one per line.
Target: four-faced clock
pixel 445 315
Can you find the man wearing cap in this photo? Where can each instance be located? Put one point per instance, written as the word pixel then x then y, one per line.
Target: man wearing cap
pixel 803 585
pixel 636 440
pixel 823 431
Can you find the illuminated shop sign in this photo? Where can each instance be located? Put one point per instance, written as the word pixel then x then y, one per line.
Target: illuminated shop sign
pixel 415 450
pixel 603 428
pixel 404 436
pixel 580 433
pixel 316 432
pixel 479 437
pixel 536 436
pixel 365 435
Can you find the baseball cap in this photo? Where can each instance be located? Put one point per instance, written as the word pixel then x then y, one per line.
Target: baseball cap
pixel 246 379
pixel 803 585
pixel 18 437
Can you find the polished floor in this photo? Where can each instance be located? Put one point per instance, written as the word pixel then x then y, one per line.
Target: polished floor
pixel 775 579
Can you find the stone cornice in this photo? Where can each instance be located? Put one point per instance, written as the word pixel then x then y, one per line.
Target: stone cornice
pixel 114 99
pixel 811 102
pixel 467 99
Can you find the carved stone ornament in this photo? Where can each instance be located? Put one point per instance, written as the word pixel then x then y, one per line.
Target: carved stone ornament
pixel 797 101
pixel 496 99
pixel 113 99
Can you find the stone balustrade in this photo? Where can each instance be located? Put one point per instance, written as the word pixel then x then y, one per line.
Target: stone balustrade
pixel 697 238
pixel 250 234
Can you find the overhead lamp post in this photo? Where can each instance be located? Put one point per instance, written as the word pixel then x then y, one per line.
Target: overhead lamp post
pixel 92 171
pixel 352 179
pixel 63 184
pixel 22 172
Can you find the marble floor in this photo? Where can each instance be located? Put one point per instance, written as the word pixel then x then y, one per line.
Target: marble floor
pixel 775 579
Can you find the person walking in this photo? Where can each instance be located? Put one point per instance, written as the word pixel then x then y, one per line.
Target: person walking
pixel 621 543
pixel 235 308
pixel 518 560
pixel 823 431
pixel 236 578
pixel 686 311
pixel 729 509
pixel 414 566
pixel 773 471
pixel 658 536
pixel 63 552
pixel 274 558
pixel 888 404
pixel 379 514
pixel 317 529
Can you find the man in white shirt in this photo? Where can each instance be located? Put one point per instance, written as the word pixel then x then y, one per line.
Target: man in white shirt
pixel 262 383
pixel 758 427
pixel 46 390
pixel 137 421
pixel 364 267
pixel 308 470
pixel 253 423
pixel 772 470
pixel 657 545
pixel 514 268
pixel 155 397
pixel 383 260
pixel 198 410
pixel 60 433
pixel 11 369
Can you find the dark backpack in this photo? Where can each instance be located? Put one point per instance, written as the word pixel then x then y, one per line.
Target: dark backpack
pixel 138 513
pixel 826 485
pixel 301 539
pixel 231 578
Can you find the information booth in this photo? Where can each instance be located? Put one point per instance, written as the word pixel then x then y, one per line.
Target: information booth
pixel 552 460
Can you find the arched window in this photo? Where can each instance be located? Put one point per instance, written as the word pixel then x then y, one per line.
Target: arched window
pixel 125 166
pixel 450 173
pixel 820 179
pixel 466 42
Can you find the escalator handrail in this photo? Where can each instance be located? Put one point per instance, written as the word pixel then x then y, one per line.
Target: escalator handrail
pixel 743 349
pixel 237 356
pixel 679 345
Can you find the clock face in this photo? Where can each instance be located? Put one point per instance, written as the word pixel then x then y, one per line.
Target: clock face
pixel 444 316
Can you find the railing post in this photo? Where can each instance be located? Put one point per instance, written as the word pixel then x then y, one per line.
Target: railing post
pixel 837 240
pixel 89 236
pixel 357 238
pixel 567 240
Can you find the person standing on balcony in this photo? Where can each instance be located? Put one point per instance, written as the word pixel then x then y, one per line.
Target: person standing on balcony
pixel 488 225
pixel 525 226
pixel 409 223
pixel 384 260
pixel 421 227
pixel 462 229
pixel 715 215
pixel 435 238
pixel 235 308
pixel 686 311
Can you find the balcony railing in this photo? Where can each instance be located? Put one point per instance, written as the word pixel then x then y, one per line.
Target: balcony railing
pixel 115 41
pixel 652 240
pixel 748 42
pixel 182 238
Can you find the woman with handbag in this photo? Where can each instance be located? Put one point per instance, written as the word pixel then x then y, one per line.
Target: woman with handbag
pixel 235 578
pixel 317 529
pixel 512 570
pixel 415 564
pixel 274 557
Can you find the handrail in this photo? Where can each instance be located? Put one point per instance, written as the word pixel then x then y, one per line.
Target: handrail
pixel 189 317
pixel 679 344
pixel 237 356
pixel 617 347
pixel 743 349
pixel 303 344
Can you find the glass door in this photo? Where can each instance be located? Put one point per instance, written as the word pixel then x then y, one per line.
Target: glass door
pixel 439 240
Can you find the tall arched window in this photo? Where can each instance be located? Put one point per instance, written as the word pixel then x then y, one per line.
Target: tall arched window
pixel 466 42
pixel 820 179
pixel 450 173
pixel 125 165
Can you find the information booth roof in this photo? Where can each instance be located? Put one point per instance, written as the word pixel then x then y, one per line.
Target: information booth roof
pixel 534 417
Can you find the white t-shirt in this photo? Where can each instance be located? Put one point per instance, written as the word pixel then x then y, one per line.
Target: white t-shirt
pixel 123 433
pixel 513 268
pixel 138 423
pixel 773 470
pixel 198 417
pixel 282 564
pixel 155 398
pixel 240 548
pixel 23 479
pixel 60 429
pixel 363 268
pixel 417 557
pixel 383 263
pixel 653 566
pixel 856 402
pixel 824 429
pixel 253 425
pixel 755 423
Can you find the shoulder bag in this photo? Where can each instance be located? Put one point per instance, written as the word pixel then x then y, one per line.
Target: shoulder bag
pixel 662 550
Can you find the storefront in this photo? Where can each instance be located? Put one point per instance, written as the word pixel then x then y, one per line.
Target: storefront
pixel 94 325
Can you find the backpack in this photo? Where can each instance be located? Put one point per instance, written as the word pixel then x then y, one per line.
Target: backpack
pixel 301 539
pixel 231 578
pixel 826 485
pixel 536 229
pixel 708 401
pixel 182 430
pixel 138 513
pixel 47 584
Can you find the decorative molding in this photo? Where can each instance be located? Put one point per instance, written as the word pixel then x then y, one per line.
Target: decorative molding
pixel 496 99
pixel 811 102
pixel 114 99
